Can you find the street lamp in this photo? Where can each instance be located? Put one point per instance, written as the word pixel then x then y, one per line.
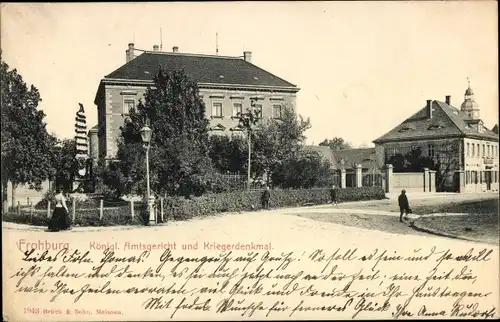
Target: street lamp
pixel 146 139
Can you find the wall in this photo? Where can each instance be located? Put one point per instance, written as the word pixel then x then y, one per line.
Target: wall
pixel 93 144
pixel 111 117
pixel 449 150
pixel 477 162
pixel 23 192
pixel 411 182
pixel 229 97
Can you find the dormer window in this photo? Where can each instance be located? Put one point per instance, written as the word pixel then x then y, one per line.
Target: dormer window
pixel 435 126
pixel 406 129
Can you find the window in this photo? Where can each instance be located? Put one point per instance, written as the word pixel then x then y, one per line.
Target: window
pixel 277 111
pixel 414 147
pixel 467 177
pixel 477 151
pixel 128 104
pixel 489 151
pixel 216 109
pixel 480 176
pixel 430 150
pixel 468 149
pixel 258 110
pixel 484 151
pixel 473 150
pixel 237 109
pixel 475 176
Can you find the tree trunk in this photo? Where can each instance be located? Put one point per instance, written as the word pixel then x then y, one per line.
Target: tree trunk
pixel 5 204
pixel 14 186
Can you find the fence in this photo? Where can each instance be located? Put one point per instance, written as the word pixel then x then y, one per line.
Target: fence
pixel 238 182
pixel 350 178
pixel 373 178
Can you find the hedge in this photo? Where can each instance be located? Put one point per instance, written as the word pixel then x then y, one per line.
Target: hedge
pixel 179 208
pixel 89 203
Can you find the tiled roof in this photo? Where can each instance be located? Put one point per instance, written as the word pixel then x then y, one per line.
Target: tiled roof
pixel 364 156
pixel 323 151
pixel 200 68
pixel 446 121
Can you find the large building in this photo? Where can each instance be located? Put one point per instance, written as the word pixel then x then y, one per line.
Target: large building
pixel 227 85
pixel 457 138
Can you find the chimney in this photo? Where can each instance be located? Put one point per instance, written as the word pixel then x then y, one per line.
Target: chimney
pixel 155 48
pixel 428 108
pixel 175 49
pixel 130 52
pixel 448 99
pixel 247 56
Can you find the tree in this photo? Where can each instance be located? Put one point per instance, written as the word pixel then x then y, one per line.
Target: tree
pixel 63 163
pixel 277 140
pixel 444 160
pixel 228 155
pixel 336 144
pixel 179 145
pixel 26 145
pixel 307 169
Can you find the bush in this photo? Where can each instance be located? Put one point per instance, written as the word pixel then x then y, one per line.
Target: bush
pixel 81 201
pixel 180 208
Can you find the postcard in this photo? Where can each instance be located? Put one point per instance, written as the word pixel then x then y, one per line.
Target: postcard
pixel 250 161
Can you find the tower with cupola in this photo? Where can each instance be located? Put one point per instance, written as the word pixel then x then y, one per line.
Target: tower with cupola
pixel 469 106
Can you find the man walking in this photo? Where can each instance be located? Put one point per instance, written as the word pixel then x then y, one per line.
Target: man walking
pixel 404 206
pixel 333 195
pixel 266 195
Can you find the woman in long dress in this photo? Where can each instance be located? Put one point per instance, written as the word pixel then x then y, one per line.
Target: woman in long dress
pixel 60 217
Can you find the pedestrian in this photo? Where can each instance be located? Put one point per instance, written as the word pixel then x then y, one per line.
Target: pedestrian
pixel 404 206
pixel 333 195
pixel 60 217
pixel 266 195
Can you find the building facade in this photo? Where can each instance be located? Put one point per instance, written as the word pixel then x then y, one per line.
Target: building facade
pixel 227 86
pixel 455 139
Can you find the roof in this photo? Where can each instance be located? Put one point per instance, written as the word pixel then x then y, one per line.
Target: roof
pixel 495 129
pixel 95 128
pixel 363 156
pixel 324 151
pixel 200 68
pixel 446 121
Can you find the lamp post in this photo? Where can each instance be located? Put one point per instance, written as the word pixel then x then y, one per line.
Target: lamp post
pixel 146 139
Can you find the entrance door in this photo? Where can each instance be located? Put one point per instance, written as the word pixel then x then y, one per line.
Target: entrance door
pixel 456 182
pixel 487 175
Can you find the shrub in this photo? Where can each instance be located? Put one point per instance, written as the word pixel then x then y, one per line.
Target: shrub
pixel 81 201
pixel 180 208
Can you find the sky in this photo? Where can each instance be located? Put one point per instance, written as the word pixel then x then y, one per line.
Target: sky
pixel 362 67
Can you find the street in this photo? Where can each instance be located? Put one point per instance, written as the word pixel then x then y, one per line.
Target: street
pixel 284 238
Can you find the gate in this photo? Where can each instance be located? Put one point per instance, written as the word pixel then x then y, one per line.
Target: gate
pixel 373 178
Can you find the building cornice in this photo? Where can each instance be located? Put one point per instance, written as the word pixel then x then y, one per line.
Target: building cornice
pixel 264 88
pixel 437 137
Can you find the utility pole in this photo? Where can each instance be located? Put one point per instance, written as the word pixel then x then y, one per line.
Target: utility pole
pixel 247 120
pixel 249 134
